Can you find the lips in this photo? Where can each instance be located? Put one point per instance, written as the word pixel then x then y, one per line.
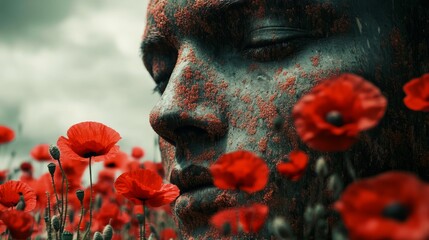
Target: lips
pixel 191 178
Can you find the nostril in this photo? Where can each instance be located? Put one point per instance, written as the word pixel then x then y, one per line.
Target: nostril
pixel 190 133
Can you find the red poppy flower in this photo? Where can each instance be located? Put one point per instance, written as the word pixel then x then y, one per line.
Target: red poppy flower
pixel 333 114
pixel 89 139
pixel 3 176
pixel 109 212
pixel 253 217
pixel 417 91
pixel 26 167
pixel 156 167
pixel 74 172
pixel 41 152
pixel 250 218
pixel 146 187
pixel 295 168
pixel 226 220
pixel 104 185
pixel 137 152
pixel 20 224
pixel 118 161
pixel 393 205
pixel 10 193
pixel 6 134
pixel 168 233
pixel 240 170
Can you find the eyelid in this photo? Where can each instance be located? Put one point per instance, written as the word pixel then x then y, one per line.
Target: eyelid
pixel 269 35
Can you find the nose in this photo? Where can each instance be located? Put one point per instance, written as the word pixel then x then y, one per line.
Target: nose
pixel 188 110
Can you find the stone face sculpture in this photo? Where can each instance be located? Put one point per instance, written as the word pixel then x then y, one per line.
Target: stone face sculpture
pixel 230 71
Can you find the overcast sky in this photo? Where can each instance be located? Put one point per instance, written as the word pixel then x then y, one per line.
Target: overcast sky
pixel 64 62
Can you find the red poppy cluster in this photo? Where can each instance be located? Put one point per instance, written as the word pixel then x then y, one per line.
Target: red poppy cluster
pixel 21 200
pixel 329 118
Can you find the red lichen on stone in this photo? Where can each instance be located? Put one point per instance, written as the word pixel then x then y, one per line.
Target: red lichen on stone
pixel 288 85
pixel 208 156
pixel 267 111
pixel 187 73
pixel 262 144
pixel 315 60
pixel 188 96
pixel 184 115
pixel 251 124
pixel 246 98
pixel 157 10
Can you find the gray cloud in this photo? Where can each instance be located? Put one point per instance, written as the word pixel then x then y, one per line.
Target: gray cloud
pixel 81 64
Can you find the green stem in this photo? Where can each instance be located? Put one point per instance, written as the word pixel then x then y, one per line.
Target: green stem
pixel 64 203
pixel 49 226
pixel 144 221
pixel 56 195
pixel 82 210
pixel 88 230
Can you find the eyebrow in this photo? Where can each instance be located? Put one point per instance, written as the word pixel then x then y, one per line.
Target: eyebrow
pixel 155 37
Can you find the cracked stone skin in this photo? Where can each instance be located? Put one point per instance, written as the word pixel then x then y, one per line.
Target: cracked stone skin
pixel 228 70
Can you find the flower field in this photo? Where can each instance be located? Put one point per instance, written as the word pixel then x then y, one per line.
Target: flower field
pixel 132 199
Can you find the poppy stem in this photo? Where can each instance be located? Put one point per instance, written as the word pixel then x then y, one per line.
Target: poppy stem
pixel 48 216
pixel 88 230
pixel 80 220
pixel 143 231
pixel 56 195
pixel 63 196
pixel 90 193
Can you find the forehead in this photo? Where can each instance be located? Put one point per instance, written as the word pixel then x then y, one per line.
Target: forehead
pixel 169 16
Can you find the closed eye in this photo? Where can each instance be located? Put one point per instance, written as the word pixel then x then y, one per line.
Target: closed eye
pixel 274 43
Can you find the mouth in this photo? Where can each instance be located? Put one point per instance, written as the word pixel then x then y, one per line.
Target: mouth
pixel 191 178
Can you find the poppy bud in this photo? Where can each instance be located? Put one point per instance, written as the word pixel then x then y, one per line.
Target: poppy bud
pixel 281 228
pixel 21 203
pixel 309 215
pixel 52 167
pixel 335 185
pixel 319 210
pixel 321 167
pixel 151 237
pixel 71 215
pixel 56 223
pixel 154 232
pixel 98 201
pixel 55 152
pixel 108 232
pixel 80 194
pixel 67 235
pixel 97 236
pixel 140 218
